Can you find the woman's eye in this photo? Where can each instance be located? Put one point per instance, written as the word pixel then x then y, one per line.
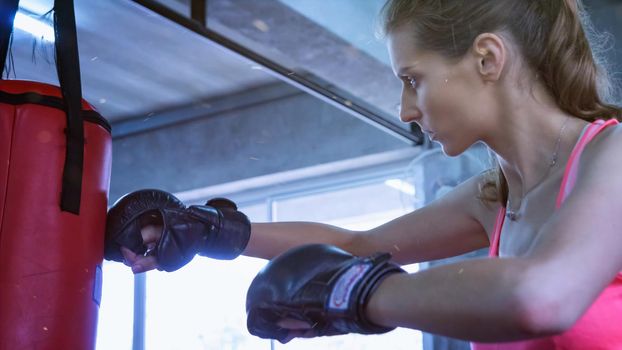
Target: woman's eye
pixel 412 82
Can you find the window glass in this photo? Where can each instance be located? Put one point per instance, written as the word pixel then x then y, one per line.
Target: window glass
pixel 362 205
pixel 114 326
pixel 202 305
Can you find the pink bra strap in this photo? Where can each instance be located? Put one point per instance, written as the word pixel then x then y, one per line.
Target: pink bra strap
pixel 570 174
pixel 496 234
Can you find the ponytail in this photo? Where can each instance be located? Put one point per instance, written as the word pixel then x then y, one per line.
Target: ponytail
pixel 554 38
pixel 569 68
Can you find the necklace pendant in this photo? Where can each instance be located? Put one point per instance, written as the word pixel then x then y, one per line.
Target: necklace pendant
pixel 512 215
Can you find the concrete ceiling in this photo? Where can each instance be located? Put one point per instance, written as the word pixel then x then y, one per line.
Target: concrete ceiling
pixel 136 63
pixel 164 86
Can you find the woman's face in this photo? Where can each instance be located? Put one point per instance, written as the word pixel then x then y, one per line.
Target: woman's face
pixel 446 99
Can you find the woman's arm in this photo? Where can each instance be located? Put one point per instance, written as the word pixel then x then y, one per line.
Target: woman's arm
pixel 576 254
pixel 476 300
pixel 449 226
pixel 271 239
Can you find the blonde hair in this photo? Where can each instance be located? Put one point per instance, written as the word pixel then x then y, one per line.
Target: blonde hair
pixel 551 35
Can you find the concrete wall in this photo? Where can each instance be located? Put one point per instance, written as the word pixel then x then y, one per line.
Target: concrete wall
pixel 255 133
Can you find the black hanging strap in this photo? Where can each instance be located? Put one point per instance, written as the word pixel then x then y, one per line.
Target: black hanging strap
pixel 68 69
pixel 8 9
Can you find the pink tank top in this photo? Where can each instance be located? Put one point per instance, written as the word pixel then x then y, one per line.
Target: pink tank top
pixel 600 327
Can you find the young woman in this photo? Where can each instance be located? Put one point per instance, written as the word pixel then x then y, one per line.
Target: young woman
pixel 519 76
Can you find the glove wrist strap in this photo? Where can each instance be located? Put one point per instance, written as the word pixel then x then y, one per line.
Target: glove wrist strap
pixel 226 234
pixel 352 290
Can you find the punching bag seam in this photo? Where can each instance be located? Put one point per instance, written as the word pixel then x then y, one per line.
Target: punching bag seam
pixel 8 175
pixel 88 115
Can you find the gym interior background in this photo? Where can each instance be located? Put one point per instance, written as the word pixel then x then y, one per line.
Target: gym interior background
pixel 288 107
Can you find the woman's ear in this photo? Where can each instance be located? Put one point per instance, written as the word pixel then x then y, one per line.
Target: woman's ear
pixel 490 52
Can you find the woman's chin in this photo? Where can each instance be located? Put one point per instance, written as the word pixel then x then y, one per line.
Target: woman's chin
pixel 450 151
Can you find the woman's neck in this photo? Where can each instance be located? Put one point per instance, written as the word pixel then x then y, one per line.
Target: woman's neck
pixel 533 141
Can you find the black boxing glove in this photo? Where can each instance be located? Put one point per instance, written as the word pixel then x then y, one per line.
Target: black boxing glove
pixel 129 214
pixel 319 284
pixel 217 229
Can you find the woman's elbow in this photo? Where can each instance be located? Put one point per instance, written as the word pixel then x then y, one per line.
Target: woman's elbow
pixel 542 312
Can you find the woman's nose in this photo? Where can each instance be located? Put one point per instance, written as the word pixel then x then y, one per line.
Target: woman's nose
pixel 409 112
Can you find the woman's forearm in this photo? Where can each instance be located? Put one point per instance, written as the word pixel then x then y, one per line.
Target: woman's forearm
pixel 268 240
pixel 478 300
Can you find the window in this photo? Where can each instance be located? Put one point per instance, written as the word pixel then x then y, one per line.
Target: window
pixel 114 329
pixel 357 206
pixel 202 306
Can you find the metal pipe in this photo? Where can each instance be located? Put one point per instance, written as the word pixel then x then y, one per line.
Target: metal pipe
pixel 198 11
pixel 140 293
pixel 284 74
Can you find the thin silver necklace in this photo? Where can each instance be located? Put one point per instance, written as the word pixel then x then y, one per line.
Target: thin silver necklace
pixel 513 214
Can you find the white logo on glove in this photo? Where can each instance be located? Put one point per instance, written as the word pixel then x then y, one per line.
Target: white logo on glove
pixel 340 296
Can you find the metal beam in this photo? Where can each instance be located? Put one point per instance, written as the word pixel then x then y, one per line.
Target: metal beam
pixel 284 74
pixel 198 11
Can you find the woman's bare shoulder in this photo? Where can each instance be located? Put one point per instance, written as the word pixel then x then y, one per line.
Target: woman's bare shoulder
pixel 467 197
pixel 604 148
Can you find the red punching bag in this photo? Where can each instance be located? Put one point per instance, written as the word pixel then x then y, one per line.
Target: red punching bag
pixel 55 158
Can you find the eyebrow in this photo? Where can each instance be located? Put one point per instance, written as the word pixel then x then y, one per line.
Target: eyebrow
pixel 402 71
